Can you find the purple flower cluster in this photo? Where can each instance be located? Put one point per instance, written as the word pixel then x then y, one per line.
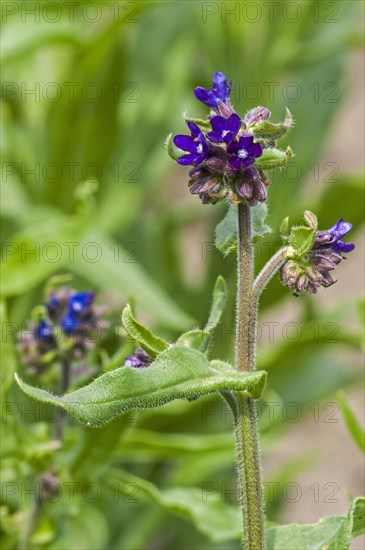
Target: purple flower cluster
pixel 314 269
pixel 68 315
pixel 224 157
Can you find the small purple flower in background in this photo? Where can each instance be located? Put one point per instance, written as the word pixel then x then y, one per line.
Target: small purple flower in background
pixel 220 91
pixel 224 129
pixel 313 271
pixel 244 152
pixel 67 313
pixel 43 331
pixel 195 145
pixel 139 359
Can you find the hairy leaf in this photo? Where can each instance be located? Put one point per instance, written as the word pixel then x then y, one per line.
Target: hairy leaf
pixel 177 373
pixel 331 532
pixel 151 343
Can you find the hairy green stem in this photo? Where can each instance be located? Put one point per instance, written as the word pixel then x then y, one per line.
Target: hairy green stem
pixel 244 410
pixel 268 271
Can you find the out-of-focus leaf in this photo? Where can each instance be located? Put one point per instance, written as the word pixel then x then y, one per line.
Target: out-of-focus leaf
pixel 120 270
pixel 87 528
pixel 7 355
pixel 216 520
pixel 17 44
pixel 331 533
pixel 177 373
pixel 353 425
pixel 150 343
pixel 37 252
pixel 226 230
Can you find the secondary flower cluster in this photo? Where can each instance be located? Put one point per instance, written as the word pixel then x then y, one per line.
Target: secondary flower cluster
pixel 224 149
pixel 313 271
pixel 69 324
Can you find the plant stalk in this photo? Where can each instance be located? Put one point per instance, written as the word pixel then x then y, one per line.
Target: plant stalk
pixel 246 428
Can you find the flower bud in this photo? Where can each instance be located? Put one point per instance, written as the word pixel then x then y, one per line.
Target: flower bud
pixel 256 115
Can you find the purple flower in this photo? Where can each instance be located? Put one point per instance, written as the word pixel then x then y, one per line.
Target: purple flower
pixel 224 129
pixel 244 152
pixel 333 237
pixel 195 145
pixel 220 90
pixel 80 301
pixel 138 360
pixel 43 331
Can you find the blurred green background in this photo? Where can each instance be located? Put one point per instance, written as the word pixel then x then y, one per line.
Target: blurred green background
pixel 90 90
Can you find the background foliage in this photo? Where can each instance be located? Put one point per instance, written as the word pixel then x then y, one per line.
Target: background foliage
pixel 84 163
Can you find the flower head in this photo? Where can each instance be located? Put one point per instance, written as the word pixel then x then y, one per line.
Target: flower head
pixel 195 145
pixel 243 152
pixel 313 270
pixel 139 359
pixel 219 91
pixel 222 171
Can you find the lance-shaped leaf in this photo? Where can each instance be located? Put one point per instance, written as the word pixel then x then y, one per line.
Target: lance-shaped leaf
pixel 149 342
pixel 352 423
pixel 226 230
pixel 330 533
pixel 200 339
pixel 177 373
pixel 273 158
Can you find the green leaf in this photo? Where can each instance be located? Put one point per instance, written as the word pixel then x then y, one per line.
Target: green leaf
pixel 330 533
pixel 200 339
pixel 353 425
pixel 259 227
pixel 7 355
pixel 206 510
pixel 226 230
pixel 193 339
pixel 220 295
pixel 120 271
pixel 204 124
pixel 37 252
pixel 177 373
pixel 273 158
pixel 300 241
pixel 172 151
pixel 149 342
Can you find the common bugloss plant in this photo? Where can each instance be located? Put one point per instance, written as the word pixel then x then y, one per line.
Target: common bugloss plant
pixel 229 157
